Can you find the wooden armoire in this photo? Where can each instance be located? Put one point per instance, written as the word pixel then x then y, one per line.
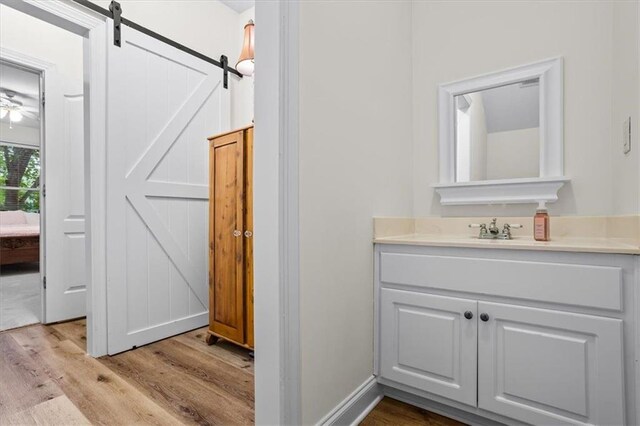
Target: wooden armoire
pixel 231 237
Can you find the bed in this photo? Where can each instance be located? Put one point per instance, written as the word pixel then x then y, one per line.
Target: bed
pixel 19 237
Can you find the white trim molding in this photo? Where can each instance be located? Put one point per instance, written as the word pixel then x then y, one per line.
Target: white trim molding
pixel 511 191
pixel 355 407
pixel 276 234
pixel 551 177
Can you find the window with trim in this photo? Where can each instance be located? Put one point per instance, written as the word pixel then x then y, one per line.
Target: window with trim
pixel 19 178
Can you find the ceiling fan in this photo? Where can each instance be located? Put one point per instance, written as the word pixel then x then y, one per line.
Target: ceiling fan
pixel 12 107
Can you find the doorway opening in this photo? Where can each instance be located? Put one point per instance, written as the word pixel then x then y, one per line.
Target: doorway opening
pixel 42 183
pixel 20 281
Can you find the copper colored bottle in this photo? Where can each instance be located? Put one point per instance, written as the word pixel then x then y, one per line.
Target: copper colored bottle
pixel 541 223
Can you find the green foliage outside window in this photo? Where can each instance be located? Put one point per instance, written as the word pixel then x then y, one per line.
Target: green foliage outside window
pixel 19 178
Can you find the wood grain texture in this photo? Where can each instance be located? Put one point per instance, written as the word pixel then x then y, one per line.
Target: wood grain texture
pixel 179 380
pixel 248 224
pixel 227 176
pixel 393 412
pixel 231 238
pixel 26 379
pixel 19 249
pixel 59 410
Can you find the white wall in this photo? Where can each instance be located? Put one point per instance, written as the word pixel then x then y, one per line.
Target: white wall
pixel 626 168
pixel 28 35
pixel 355 163
pixel 513 154
pixel 206 26
pixel 506 34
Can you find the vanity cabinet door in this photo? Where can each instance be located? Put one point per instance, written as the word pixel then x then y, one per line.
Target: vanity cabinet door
pixel 549 367
pixel 428 343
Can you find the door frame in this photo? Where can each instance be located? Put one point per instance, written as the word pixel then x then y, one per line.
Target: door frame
pixel 276 230
pixel 93 28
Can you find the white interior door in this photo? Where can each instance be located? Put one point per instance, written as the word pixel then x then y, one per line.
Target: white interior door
pixel 63 230
pixel 162 106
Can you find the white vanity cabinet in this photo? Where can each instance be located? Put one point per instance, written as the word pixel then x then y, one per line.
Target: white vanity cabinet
pixel 429 344
pixel 549 367
pixel 531 337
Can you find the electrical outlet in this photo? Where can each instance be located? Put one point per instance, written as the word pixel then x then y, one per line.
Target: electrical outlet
pixel 626 136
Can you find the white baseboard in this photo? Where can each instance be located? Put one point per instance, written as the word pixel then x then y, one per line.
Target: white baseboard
pixel 355 407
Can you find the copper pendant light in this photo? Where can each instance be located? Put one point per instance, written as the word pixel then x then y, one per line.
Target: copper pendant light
pixel 245 64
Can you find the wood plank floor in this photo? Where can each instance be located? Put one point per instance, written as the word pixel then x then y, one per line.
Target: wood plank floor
pixel 46 378
pixel 179 380
pixel 392 412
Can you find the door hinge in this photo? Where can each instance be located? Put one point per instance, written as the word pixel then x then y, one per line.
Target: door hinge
pixel 224 62
pixel 44 190
pixel 116 14
pixel 44 282
pixel 43 99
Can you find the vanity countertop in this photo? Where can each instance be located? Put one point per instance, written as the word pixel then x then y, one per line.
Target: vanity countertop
pixel 582 245
pixel 613 234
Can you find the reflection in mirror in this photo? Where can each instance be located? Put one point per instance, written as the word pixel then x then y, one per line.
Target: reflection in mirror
pixel 497 133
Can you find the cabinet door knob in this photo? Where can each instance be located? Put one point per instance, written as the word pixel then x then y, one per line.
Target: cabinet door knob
pixel 484 317
pixel 248 234
pixel 468 315
pixel 237 233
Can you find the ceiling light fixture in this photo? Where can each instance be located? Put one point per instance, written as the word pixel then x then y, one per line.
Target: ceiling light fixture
pixel 13 108
pixel 245 64
pixel 15 116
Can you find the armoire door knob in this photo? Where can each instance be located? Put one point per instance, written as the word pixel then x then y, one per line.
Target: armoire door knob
pixel 468 315
pixel 248 234
pixel 484 317
pixel 237 233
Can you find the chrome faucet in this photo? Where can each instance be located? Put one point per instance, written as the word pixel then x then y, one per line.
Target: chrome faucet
pixel 492 232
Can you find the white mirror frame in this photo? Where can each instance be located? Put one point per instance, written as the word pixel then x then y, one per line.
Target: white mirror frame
pixel 507 191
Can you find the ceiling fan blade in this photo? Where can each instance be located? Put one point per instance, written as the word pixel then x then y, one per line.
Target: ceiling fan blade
pixel 30 115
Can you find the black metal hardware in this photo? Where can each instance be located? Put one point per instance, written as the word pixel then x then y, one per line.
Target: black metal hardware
pixel 468 315
pixel 225 71
pixel 116 14
pixel 124 21
pixel 484 317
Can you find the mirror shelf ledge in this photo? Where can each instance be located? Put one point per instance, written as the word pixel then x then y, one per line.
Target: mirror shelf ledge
pixel 507 191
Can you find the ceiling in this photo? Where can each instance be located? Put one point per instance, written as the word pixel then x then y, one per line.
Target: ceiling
pixel 512 107
pixel 26 85
pixel 239 5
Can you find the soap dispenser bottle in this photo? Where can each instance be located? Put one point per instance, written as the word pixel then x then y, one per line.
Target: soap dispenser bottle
pixel 541 223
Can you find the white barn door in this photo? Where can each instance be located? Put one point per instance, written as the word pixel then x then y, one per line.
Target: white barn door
pixel 162 105
pixel 64 218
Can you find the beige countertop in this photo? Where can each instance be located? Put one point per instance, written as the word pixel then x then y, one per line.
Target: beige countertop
pixel 583 245
pixel 579 234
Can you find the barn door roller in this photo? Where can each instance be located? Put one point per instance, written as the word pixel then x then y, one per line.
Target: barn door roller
pixel 116 14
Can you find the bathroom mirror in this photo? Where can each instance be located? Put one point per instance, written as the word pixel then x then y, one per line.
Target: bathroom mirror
pixel 501 136
pixel 497 132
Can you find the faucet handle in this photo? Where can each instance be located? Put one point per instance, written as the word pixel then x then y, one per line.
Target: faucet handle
pixel 513 225
pixel 477 225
